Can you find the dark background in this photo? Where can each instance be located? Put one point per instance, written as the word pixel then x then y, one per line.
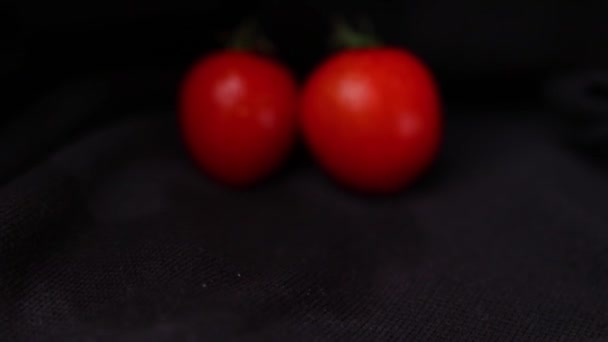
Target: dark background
pixel 477 45
pixel 108 232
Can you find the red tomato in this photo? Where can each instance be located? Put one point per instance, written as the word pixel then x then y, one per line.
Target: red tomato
pixel 372 118
pixel 238 115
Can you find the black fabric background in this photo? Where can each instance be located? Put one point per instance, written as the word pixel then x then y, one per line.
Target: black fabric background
pixel 109 232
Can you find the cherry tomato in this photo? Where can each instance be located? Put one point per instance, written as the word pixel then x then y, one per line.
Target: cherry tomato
pixel 238 115
pixel 372 118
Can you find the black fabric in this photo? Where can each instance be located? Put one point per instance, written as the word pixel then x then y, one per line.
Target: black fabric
pixel 109 232
pixel 580 98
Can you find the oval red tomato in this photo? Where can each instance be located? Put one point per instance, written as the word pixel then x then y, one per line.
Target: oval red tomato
pixel 372 118
pixel 237 115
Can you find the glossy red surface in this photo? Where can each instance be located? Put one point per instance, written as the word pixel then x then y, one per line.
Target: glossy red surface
pixel 237 115
pixel 372 118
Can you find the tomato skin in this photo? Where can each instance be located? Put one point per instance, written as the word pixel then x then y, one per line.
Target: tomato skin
pixel 237 114
pixel 372 118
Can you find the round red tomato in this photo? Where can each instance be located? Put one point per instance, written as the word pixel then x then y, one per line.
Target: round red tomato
pixel 238 115
pixel 372 118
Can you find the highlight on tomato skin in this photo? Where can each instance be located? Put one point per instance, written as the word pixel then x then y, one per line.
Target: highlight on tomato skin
pixel 237 116
pixel 372 118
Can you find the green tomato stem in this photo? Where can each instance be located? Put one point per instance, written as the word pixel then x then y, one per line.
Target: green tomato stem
pixel 345 37
pixel 248 37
